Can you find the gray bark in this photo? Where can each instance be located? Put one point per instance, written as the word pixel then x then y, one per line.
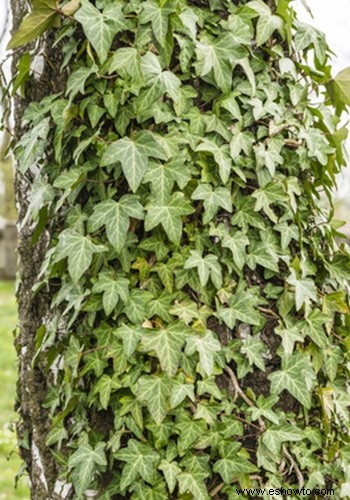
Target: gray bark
pixel 34 310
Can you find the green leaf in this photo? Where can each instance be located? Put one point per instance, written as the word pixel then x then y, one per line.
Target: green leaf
pixel 218 56
pixel 158 15
pixel 100 28
pixel 264 409
pixel 206 266
pixel 130 336
pixel 213 199
pixel 79 249
pixel 254 349
pixel 104 388
pixel 133 158
pixel 234 241
pixel 84 462
pixel 115 216
pixel 167 344
pixel 168 213
pixel 42 17
pixel 314 328
pixel 304 290
pixel 206 345
pixel 221 156
pixel 180 392
pixel 193 482
pixel 141 461
pixel 242 308
pixel 296 377
pixel 77 80
pixel 113 288
pixel 339 87
pixel 170 470
pixel 278 434
pixel 128 59
pixel 32 144
pixel 154 391
pixel 232 463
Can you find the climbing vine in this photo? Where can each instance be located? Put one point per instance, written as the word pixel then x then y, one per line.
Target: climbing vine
pixel 199 335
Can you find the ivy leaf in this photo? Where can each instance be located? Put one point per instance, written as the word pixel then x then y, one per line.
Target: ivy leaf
pixel 128 59
pixel 221 156
pixel 77 80
pixel 314 328
pixel 168 213
pixel 193 482
pixel 100 28
pixel 235 241
pixel 167 344
pixel 180 392
pixel 42 17
pixel 32 144
pixel 242 308
pixel 133 158
pixel 170 470
pixel 254 349
pixel 213 199
pixel 296 377
pixel 290 334
pixel 206 266
pixel 157 82
pixel 276 435
pixel 264 409
pixel 79 249
pixel 104 388
pixel 84 462
pixel 154 391
pixel 135 308
pixel 218 56
pixel 158 16
pixel 232 463
pixel 140 460
pixel 130 336
pixel 115 216
pixel 305 290
pixel 206 345
pixel 113 288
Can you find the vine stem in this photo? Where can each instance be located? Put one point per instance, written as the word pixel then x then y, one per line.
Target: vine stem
pixel 294 466
pixel 242 394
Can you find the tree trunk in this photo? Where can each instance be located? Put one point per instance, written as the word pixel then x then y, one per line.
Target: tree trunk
pixel 34 309
pixel 194 289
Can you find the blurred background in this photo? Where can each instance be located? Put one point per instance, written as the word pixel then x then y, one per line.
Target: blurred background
pixel 333 18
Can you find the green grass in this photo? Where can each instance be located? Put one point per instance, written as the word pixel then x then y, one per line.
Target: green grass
pixel 10 462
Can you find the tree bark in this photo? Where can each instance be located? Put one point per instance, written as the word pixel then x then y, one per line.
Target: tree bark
pixel 34 310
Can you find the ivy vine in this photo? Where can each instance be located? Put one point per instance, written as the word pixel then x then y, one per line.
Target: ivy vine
pixel 200 312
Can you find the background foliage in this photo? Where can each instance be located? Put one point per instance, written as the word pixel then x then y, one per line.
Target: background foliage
pixel 199 330
pixel 9 460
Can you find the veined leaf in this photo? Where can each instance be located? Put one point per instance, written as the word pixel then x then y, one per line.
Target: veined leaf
pixel 115 216
pixel 154 391
pixel 79 249
pixel 140 460
pixel 212 200
pixel 113 288
pixel 168 213
pixel 296 377
pixel 85 461
pixel 206 345
pixel 206 266
pixel 167 344
pixel 100 28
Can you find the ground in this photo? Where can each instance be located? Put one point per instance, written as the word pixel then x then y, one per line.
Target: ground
pixel 10 462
